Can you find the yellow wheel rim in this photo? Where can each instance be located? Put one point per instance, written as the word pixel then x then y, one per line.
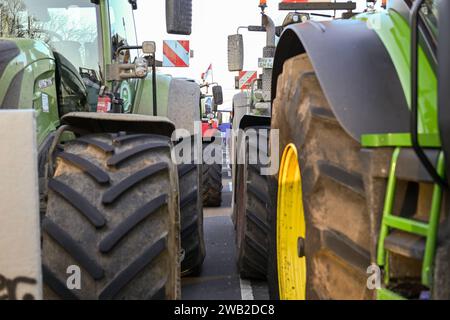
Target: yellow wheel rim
pixel 290 227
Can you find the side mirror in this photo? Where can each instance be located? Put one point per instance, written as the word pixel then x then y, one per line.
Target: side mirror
pixel 218 95
pixel 235 52
pixel 179 16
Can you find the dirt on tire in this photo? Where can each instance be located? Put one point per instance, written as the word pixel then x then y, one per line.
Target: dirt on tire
pixel 113 215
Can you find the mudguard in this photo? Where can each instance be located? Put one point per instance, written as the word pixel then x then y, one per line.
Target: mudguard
pixel 116 122
pixel 252 120
pixel 177 99
pixel 355 72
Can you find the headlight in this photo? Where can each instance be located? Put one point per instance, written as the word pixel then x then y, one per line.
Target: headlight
pixel 141 67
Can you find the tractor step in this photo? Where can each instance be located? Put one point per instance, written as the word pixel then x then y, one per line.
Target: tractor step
pixel 404 236
pixel 405 244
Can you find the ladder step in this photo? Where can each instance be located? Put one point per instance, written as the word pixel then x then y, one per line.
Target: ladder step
pixel 405 244
pixel 407 225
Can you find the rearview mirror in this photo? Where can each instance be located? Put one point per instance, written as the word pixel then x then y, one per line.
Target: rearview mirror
pixel 235 52
pixel 179 16
pixel 218 95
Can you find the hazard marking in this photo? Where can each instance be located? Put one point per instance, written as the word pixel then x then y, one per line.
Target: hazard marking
pixel 246 78
pixel 176 53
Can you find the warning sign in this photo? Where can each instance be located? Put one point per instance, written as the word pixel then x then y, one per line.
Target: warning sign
pixel 246 78
pixel 176 53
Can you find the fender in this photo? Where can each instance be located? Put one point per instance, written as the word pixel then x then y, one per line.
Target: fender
pixel 251 120
pixel 355 71
pixel 177 99
pixel 115 122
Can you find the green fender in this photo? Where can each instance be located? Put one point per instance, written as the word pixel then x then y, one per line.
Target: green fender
pixel 28 81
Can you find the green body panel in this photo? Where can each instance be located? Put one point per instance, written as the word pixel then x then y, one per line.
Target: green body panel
pixel 143 102
pixel 395 33
pixel 385 294
pixel 37 63
pixel 399 140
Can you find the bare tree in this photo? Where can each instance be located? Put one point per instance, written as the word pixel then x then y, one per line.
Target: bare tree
pixel 12 22
pixel 16 22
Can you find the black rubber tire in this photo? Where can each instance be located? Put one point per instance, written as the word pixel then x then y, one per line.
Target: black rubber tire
pixel 338 241
pixel 191 212
pixel 42 172
pixel 212 180
pixel 113 211
pixel 251 208
pixel 441 289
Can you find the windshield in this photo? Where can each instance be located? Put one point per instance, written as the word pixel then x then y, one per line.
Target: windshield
pixel 68 26
pixel 123 31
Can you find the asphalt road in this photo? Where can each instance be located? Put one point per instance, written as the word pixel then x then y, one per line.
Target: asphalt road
pixel 219 279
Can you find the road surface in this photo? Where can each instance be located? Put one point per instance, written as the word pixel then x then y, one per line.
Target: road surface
pixel 219 279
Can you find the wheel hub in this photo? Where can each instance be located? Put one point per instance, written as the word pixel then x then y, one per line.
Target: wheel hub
pixel 291 261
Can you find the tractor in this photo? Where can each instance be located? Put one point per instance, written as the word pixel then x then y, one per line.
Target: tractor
pixel 212 144
pixel 115 202
pixel 251 127
pixel 359 207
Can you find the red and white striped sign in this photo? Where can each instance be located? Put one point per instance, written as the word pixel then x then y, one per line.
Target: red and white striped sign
pixel 246 78
pixel 176 53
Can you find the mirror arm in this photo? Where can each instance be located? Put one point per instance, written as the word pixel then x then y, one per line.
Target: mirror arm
pixel 208 84
pixel 269 25
pixel 122 48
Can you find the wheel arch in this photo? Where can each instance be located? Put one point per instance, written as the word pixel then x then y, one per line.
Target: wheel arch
pixel 109 122
pixel 355 71
pixel 253 120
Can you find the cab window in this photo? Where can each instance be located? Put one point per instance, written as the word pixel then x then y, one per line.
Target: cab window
pixel 68 27
pixel 123 31
pixel 429 15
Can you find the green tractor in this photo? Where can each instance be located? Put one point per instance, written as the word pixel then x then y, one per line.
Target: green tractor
pixel 114 200
pixel 359 207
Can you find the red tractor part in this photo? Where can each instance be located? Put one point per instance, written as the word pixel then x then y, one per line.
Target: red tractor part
pixel 209 128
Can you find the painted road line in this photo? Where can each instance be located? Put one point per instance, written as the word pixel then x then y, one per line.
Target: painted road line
pixel 246 290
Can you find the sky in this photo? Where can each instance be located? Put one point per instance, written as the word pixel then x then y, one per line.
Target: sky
pixel 213 21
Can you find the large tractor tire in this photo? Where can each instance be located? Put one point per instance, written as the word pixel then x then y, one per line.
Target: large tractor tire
pixel 251 207
pixel 113 215
pixel 191 211
pixel 212 178
pixel 320 231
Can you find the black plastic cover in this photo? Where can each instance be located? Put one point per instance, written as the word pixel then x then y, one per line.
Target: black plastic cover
pixel 444 80
pixel 355 71
pixel 179 16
